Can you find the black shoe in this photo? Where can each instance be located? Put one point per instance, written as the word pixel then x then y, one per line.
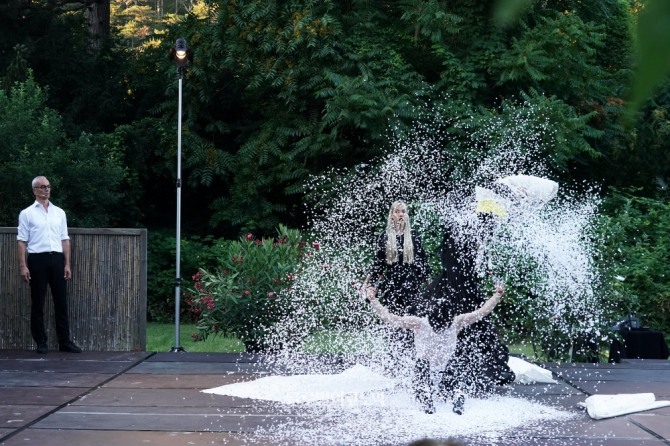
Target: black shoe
pixel 70 347
pixel 459 405
pixel 42 348
pixel 426 402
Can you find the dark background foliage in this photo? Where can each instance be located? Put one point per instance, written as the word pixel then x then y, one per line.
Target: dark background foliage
pixel 281 90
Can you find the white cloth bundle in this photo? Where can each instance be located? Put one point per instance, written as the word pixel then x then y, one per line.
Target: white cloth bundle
pixel 607 406
pixel 527 373
pixel 526 194
pixel 529 189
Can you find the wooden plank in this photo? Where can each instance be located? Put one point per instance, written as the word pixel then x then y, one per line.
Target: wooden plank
pixel 48 396
pixel 584 427
pixel 86 356
pixel 114 397
pixel 545 389
pixel 660 389
pixel 15 416
pixel 190 368
pixel 180 419
pixel 211 358
pixel 168 408
pixel 154 381
pixel 58 379
pixel 572 441
pixel 46 365
pixel 656 422
pixel 4 432
pixel 55 437
pixel 631 375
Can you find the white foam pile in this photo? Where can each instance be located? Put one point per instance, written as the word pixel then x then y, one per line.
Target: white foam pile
pixel 361 407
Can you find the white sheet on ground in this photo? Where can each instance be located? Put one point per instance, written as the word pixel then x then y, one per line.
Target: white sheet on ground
pixel 607 406
pixel 358 379
pixel 307 388
pixel 361 408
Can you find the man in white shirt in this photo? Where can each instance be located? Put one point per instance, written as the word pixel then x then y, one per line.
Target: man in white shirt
pixel 44 259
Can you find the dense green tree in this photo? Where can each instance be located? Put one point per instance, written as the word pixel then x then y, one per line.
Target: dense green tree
pixel 281 90
pixel 86 87
pixel 286 89
pixel 637 254
pixel 86 177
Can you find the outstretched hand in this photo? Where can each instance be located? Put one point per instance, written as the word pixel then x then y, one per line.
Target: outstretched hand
pixel 500 288
pixel 366 291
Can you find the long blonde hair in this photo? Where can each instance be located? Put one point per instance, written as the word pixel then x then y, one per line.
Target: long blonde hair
pixel 391 245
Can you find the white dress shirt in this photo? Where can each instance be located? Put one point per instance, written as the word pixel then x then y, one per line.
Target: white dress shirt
pixel 41 230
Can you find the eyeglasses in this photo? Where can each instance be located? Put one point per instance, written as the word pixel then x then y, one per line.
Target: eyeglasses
pixel 43 187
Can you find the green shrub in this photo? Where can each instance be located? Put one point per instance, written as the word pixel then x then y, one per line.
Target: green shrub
pixel 241 296
pixel 638 247
pixel 195 253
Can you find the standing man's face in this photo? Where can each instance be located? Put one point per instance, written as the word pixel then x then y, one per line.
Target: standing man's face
pixel 43 189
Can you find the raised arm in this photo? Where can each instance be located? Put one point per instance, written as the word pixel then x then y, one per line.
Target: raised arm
pixel 463 320
pixel 408 322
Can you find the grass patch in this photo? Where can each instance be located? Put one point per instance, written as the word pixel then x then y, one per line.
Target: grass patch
pixel 525 350
pixel 161 338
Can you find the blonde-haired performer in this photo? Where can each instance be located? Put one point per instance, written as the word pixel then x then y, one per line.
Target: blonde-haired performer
pixel 399 269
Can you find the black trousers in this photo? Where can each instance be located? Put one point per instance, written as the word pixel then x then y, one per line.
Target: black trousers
pixel 48 269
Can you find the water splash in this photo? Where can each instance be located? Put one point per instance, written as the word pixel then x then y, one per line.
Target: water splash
pixel 545 255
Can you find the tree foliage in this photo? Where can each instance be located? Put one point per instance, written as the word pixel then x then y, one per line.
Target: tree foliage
pixel 281 90
pixel 288 88
pixel 34 143
pixel 638 254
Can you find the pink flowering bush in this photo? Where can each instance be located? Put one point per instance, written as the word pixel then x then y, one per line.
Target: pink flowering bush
pixel 242 297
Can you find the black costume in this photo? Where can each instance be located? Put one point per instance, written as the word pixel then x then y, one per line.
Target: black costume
pixel 400 283
pixel 480 360
pixel 400 287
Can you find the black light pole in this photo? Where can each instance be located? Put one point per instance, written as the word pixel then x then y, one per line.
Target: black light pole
pixel 182 58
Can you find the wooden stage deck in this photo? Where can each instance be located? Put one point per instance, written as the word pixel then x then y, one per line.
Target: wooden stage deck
pixel 145 398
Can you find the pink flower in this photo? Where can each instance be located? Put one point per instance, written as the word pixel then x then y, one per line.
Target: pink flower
pixel 208 302
pixel 249 236
pixel 247 292
pixel 316 245
pixel 197 276
pixel 271 294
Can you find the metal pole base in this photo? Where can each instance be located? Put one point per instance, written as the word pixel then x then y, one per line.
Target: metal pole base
pixel 177 350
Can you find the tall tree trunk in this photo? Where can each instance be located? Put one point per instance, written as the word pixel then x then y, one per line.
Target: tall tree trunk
pixel 98 19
